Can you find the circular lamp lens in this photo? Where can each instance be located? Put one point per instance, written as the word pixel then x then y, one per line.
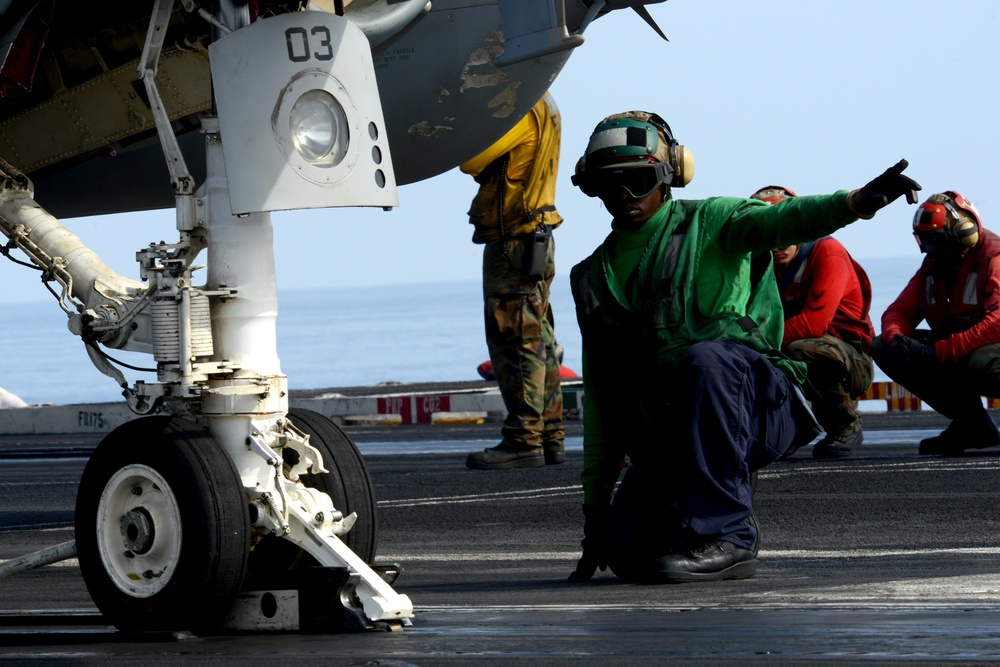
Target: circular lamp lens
pixel 319 130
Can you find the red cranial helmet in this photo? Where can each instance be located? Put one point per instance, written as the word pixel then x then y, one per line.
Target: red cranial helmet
pixel 772 194
pixel 947 220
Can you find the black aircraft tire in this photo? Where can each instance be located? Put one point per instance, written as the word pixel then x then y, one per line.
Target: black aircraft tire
pixel 348 482
pixel 348 485
pixel 162 527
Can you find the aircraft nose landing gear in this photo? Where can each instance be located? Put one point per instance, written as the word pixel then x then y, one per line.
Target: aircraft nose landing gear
pixel 164 533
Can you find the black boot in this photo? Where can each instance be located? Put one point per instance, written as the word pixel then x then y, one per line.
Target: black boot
pixel 555 453
pixel 716 560
pixel 974 431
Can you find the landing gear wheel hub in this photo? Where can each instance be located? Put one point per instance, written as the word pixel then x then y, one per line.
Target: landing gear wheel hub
pixel 139 531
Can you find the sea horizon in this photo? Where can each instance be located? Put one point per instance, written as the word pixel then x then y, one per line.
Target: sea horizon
pixel 333 337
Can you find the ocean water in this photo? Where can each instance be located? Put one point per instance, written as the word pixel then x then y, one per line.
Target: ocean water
pixel 341 337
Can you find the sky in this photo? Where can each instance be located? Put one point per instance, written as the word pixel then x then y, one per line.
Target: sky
pixel 813 96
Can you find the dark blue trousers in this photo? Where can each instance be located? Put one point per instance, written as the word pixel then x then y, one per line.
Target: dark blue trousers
pixel 731 412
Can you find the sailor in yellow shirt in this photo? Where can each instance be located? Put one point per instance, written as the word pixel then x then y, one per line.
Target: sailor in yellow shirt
pixel 513 215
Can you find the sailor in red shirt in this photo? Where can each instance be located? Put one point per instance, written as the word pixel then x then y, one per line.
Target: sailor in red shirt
pixel 826 297
pixel 957 291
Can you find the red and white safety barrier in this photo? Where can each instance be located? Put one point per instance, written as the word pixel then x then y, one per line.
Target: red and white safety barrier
pixel 896 398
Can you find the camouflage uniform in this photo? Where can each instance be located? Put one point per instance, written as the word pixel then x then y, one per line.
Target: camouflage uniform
pixel 521 338
pixel 838 374
pixel 514 203
pixel 826 296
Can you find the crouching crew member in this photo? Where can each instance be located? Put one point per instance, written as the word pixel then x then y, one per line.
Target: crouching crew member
pixel 957 291
pixel 683 376
pixel 826 296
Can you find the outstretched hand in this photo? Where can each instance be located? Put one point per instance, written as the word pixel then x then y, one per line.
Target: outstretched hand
pixel 883 190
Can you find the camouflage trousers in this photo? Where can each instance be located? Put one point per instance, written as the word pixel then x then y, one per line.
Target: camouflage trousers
pixel 520 335
pixel 838 373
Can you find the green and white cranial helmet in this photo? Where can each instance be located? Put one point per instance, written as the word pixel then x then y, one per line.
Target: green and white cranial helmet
pixel 638 147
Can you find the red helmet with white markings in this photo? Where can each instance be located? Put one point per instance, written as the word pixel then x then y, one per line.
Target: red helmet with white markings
pixel 772 194
pixel 947 220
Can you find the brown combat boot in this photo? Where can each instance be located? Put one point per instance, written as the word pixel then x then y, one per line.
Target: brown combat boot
pixel 504 456
pixel 839 446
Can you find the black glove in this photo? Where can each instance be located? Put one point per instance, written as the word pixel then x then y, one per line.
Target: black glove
pixel 882 191
pixel 595 528
pixel 913 350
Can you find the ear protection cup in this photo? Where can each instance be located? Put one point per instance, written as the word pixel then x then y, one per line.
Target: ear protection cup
pixel 683 164
pixel 679 156
pixel 965 233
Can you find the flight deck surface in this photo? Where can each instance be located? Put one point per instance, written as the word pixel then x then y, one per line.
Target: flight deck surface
pixel 886 557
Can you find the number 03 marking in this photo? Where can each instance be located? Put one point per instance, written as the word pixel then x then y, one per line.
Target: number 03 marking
pixel 297 40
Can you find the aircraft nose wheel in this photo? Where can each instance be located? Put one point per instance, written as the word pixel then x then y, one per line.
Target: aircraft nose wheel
pixel 162 527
